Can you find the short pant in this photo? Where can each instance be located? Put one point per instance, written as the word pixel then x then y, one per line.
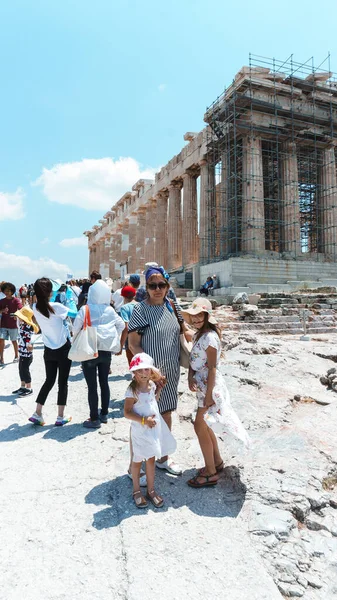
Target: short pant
pixel 9 334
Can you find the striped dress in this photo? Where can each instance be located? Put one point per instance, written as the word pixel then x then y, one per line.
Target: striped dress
pixel 160 331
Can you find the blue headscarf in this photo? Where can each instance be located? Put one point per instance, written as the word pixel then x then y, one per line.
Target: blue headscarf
pixel 154 271
pixel 161 271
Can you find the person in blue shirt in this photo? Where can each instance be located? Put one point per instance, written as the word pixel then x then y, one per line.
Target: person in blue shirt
pixel 128 293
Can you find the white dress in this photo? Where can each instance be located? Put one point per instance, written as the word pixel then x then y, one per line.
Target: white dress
pixel 147 441
pixel 220 417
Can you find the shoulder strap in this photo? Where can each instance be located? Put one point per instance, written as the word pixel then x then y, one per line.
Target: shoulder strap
pixel 87 318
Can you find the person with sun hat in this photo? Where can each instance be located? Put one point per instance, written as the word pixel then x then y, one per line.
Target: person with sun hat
pixel 27 328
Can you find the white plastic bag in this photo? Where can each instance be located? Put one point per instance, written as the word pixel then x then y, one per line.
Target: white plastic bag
pixel 84 346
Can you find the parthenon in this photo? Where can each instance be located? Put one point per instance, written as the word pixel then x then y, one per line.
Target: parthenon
pixel 258 182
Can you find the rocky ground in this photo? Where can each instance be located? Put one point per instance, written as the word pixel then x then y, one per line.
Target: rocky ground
pixel 267 531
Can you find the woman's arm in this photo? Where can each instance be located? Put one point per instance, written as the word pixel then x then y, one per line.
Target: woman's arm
pixel 211 363
pixel 123 337
pixel 130 414
pixel 188 333
pixel 135 342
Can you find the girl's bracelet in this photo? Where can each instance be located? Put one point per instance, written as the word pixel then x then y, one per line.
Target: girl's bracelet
pixel 143 420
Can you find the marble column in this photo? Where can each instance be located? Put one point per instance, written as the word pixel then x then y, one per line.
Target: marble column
pixel 328 203
pixel 207 212
pixel 253 225
pixel 125 241
pixel 174 227
pixel 161 228
pixel 112 255
pixel 290 208
pixel 100 254
pixel 118 251
pixel 190 219
pixel 91 258
pixel 150 240
pixel 140 240
pixel 106 252
pixel 132 243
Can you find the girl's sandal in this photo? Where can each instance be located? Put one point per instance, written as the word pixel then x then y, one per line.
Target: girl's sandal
pixel 139 500
pixel 207 483
pixel 155 499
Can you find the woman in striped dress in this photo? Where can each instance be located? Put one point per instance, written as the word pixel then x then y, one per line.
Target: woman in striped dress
pixel 154 328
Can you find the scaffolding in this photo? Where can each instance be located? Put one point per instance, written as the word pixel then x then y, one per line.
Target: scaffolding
pixel 271 145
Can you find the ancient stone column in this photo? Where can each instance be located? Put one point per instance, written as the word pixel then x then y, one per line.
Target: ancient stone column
pixel 106 253
pixel 132 243
pixel 140 240
pixel 112 256
pixel 91 258
pixel 150 240
pixel 190 223
pixel 328 203
pixel 161 229
pixel 253 225
pixel 174 227
pixel 290 209
pixel 100 254
pixel 125 241
pixel 118 250
pixel 223 216
pixel 207 212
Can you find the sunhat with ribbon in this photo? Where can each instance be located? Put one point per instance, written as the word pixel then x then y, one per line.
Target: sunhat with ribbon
pixel 198 306
pixel 142 361
pixel 26 314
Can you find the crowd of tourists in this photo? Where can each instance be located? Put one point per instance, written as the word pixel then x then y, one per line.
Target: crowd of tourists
pixel 147 323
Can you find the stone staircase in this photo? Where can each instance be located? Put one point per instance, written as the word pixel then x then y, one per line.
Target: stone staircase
pixel 283 314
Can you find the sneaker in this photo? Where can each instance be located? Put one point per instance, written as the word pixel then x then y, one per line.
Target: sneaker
pixel 19 390
pixel 25 392
pixel 103 418
pixel 142 479
pixel 36 419
pixel 89 424
pixel 169 466
pixel 62 421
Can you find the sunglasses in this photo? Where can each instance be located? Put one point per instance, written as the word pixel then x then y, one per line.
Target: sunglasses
pixel 154 286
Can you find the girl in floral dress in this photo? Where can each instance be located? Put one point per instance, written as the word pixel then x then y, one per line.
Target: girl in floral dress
pixel 214 409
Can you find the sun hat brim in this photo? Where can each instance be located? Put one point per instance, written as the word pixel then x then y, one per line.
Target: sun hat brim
pixel 24 318
pixel 190 312
pixel 144 366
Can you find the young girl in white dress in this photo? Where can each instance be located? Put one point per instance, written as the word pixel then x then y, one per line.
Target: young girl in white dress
pixel 150 436
pixel 214 413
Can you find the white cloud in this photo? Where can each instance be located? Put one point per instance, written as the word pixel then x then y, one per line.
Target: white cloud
pixel 92 184
pixel 11 205
pixel 20 269
pixel 70 242
pixel 8 245
pixel 45 240
pixel 162 87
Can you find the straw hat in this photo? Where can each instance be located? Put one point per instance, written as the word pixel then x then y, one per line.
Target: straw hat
pixel 198 306
pixel 142 361
pixel 26 314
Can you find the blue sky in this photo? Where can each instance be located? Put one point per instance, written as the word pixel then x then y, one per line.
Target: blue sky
pixel 85 83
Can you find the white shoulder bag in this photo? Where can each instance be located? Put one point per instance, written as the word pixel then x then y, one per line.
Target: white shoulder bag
pixel 84 346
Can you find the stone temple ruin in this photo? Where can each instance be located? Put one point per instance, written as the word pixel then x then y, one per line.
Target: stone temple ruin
pixel 251 198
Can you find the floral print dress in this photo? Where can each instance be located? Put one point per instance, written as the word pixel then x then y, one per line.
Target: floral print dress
pixel 220 417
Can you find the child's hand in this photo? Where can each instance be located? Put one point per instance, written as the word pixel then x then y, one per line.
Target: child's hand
pixel 30 347
pixel 150 421
pixel 209 401
pixel 191 383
